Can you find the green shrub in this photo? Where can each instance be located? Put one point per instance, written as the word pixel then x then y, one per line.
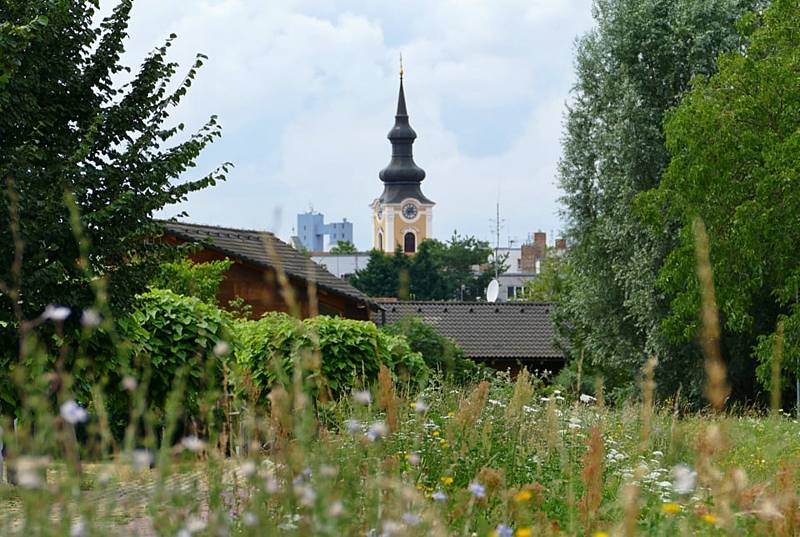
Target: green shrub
pixel 349 351
pixel 172 335
pixel 187 278
pixel 440 353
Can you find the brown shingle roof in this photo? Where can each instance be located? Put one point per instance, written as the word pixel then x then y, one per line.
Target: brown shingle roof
pixel 264 249
pixel 510 330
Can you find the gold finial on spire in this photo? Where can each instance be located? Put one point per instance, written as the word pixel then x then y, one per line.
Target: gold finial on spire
pixel 401 66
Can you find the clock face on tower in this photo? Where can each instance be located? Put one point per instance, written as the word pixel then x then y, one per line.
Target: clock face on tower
pixel 409 211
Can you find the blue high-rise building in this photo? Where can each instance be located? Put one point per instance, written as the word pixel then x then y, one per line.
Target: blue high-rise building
pixel 311 231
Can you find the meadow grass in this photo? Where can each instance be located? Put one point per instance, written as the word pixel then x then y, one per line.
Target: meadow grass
pixel 503 457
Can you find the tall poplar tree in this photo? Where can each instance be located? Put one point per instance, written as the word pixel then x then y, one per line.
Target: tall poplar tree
pixel 633 67
pixel 735 146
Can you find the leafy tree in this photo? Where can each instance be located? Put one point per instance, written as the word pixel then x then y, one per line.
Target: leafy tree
pixel 381 277
pixel 548 286
pixel 438 271
pixel 344 247
pixel 440 353
pixel 69 132
pixel 735 142
pixel 187 278
pixel 632 68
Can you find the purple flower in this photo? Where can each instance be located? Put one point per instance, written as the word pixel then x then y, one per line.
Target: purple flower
pixel 504 531
pixel 477 490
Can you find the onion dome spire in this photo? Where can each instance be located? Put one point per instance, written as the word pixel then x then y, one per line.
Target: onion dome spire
pixel 401 168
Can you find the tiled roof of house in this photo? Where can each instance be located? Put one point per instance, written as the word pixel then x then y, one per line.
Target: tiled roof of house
pixel 509 330
pixel 264 249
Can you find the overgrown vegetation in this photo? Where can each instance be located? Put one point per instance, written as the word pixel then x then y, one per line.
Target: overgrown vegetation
pixel 438 271
pixel 682 110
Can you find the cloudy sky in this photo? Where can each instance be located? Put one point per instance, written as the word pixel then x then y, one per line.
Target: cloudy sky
pixel 306 92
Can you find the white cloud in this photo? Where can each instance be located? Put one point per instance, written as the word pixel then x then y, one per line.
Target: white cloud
pixel 306 89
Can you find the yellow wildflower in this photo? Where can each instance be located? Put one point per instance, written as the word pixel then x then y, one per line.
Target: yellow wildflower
pixel 444 443
pixel 671 508
pixel 436 433
pixel 600 534
pixel 451 414
pixel 709 518
pixel 446 480
pixel 523 532
pixel 523 496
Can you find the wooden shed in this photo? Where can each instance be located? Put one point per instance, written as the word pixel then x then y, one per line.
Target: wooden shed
pixel 266 271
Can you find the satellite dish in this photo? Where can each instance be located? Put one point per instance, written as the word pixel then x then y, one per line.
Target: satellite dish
pixel 493 291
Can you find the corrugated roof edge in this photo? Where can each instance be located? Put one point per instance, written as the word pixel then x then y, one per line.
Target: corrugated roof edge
pixel 372 304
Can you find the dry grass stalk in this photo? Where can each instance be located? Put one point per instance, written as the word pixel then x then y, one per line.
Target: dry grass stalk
pixel 523 392
pixel 491 478
pixel 280 416
pixel 648 395
pixel 462 426
pixel 777 358
pixel 630 506
pixel 717 389
pixel 592 477
pixel 387 400
pixel 788 502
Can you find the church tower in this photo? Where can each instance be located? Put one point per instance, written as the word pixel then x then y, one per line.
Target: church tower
pixel 402 215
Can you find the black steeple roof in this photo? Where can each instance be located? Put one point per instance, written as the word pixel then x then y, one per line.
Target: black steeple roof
pixel 402 169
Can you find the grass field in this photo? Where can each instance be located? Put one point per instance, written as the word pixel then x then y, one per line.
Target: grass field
pixel 498 458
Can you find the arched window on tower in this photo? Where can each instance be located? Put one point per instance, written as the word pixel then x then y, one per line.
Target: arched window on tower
pixel 409 243
pixel 380 241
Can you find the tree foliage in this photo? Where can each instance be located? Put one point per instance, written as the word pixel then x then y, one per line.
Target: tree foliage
pixel 735 145
pixel 70 134
pixel 437 271
pixel 631 69
pixel 335 353
pixel 185 277
pixel 440 353
pixel 344 247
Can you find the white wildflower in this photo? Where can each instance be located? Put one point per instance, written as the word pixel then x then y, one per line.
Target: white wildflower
pixel 90 318
pixel 55 313
pixel 195 525
pixel 248 468
pixel 141 459
pixel 129 383
pixel 336 509
pixel 390 527
pixel 362 397
pixel 684 479
pixel 192 443
pixel 222 349
pixel 420 407
pixel 73 413
pixel 377 430
pixel 586 398
pixel 250 519
pixel 77 529
pixel 664 484
pixel 31 471
pixel 352 426
pixel 411 519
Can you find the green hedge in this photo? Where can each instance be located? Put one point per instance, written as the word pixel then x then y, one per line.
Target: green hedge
pixel 349 350
pixel 440 353
pixel 170 333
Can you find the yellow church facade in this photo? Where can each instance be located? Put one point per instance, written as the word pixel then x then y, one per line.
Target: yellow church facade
pixel 402 216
